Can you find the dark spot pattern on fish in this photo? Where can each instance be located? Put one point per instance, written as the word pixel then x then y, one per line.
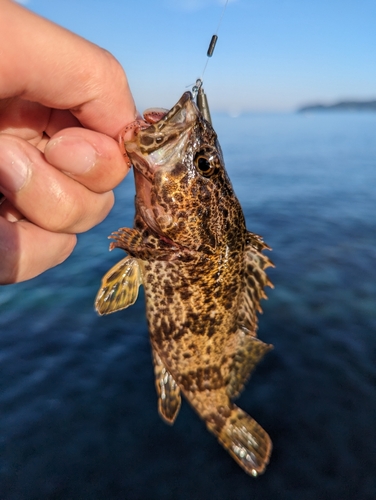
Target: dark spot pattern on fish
pixel 202 379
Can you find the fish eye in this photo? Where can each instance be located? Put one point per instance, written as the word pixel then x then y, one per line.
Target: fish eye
pixel 205 167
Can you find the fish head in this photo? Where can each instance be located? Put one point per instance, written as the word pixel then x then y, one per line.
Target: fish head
pixel 183 193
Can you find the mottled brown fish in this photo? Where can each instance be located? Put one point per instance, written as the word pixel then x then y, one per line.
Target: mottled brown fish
pixel 203 274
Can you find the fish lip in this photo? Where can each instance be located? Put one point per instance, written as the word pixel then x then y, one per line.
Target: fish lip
pixel 168 117
pixel 186 97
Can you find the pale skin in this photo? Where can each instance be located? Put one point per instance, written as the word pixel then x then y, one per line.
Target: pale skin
pixel 63 102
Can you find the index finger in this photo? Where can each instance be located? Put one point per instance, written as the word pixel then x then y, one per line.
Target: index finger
pixel 62 70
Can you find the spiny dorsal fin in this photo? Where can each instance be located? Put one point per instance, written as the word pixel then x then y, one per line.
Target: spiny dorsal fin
pixel 119 288
pixel 249 350
pixel 254 282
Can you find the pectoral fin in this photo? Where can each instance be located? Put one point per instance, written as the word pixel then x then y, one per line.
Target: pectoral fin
pixel 119 288
pixel 169 399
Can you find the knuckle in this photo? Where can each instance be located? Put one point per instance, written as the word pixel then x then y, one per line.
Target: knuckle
pixel 64 214
pixel 76 214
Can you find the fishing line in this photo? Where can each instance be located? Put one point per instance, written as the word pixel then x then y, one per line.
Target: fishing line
pixel 197 89
pixel 213 41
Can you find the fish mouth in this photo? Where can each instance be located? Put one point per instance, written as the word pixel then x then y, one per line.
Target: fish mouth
pixel 162 141
pixel 166 115
pixel 160 145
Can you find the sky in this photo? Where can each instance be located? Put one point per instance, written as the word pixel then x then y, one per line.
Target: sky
pixel 271 55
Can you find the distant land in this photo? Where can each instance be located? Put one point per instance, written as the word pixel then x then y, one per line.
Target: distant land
pixel 340 106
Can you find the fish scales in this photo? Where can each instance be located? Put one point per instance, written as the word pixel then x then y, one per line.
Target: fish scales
pixel 203 275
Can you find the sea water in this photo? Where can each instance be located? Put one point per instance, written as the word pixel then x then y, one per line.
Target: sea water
pixel 78 412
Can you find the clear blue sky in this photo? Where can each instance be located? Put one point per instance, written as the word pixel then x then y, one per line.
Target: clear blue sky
pixel 271 55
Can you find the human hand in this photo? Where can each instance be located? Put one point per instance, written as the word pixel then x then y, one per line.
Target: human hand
pixel 63 102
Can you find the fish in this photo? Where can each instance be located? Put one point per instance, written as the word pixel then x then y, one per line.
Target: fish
pixel 203 275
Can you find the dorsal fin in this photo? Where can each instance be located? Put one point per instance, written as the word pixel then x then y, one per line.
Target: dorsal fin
pixel 250 350
pixel 254 282
pixel 249 353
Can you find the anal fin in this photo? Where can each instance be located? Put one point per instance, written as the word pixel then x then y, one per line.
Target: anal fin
pixel 169 399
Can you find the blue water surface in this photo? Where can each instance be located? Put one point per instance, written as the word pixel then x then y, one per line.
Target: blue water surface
pixel 78 417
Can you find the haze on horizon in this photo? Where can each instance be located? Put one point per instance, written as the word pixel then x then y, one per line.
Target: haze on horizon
pixel 271 55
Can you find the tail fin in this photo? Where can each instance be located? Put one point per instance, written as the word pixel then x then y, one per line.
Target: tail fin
pixel 245 440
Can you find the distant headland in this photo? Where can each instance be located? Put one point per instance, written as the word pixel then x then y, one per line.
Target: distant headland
pixel 340 106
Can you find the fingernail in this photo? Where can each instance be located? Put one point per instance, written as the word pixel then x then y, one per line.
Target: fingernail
pixel 71 154
pixel 14 166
